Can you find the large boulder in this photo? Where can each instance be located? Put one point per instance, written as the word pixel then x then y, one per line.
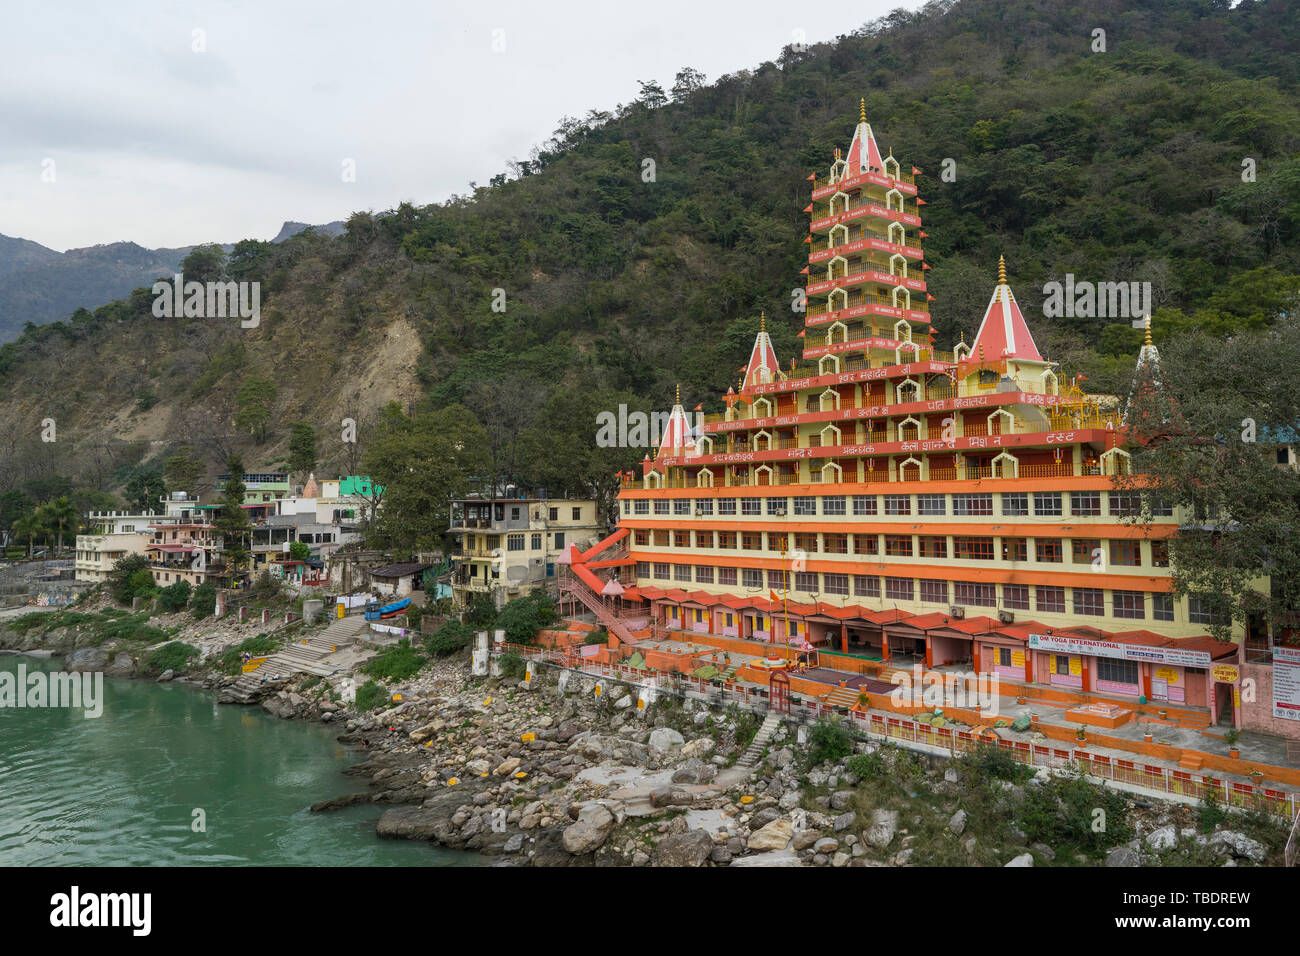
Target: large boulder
pixel 586 835
pixel 685 849
pixel 1166 838
pixel 1123 856
pixel 1240 845
pixel 1024 859
pixel 123 665
pixel 86 659
pixel 957 823
pixel 700 747
pixel 664 739
pixel 774 836
pixel 884 824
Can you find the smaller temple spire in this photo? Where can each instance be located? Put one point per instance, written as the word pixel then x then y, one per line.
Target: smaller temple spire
pixel 762 321
pixel 1002 270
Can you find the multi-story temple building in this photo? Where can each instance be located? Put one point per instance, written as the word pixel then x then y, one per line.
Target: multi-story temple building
pixel 885 498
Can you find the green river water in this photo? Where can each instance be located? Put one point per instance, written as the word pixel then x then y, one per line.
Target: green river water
pixel 121 789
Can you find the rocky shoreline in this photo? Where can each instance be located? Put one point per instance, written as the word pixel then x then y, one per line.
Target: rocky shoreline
pixel 529 773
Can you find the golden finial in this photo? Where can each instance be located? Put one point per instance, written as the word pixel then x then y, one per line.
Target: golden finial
pixel 1148 335
pixel 762 321
pixel 1002 270
pixel 679 394
pixel 862 110
pixel 981 351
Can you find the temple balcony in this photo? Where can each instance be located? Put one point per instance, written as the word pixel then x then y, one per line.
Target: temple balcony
pixel 856 240
pixel 824 185
pixel 859 303
pixel 858 208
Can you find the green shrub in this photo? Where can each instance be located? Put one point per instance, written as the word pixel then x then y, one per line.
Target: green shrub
pixel 523 617
pixel 370 695
pixel 121 579
pixel 1210 813
pixel 598 636
pixel 448 639
pixel 203 601
pixel 174 657
pixel 991 761
pixel 512 665
pixel 867 766
pixel 174 597
pixel 828 740
pixel 1063 813
pixel 397 663
pixel 266 588
pixel 481 615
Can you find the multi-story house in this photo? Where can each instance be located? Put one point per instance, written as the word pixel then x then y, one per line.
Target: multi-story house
pixel 114 535
pixel 508 546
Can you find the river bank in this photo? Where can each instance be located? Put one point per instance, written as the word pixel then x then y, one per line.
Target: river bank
pixel 529 773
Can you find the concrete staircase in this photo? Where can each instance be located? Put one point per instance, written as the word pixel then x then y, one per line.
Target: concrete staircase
pixel 761 739
pixel 842 697
pixel 302 656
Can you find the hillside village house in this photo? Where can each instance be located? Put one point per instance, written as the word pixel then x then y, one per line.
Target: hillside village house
pixel 507 547
pixel 114 535
pixel 184 544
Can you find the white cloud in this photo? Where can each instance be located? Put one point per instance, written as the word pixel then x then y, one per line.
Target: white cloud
pixel 165 146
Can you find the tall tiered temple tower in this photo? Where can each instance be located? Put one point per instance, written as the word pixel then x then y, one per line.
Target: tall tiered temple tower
pixel 886 499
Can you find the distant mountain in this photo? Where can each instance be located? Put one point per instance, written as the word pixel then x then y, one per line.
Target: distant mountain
pixel 330 229
pixel 39 285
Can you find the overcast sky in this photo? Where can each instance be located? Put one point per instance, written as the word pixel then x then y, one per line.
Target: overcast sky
pixel 114 126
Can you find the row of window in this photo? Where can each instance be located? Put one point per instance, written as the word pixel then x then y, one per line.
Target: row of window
pixel 1095 552
pixel 1042 504
pixel 1047 599
pixel 515 542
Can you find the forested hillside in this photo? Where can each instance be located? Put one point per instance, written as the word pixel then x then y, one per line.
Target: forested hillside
pixel 1123 165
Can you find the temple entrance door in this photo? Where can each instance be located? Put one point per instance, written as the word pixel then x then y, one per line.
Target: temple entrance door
pixel 779 687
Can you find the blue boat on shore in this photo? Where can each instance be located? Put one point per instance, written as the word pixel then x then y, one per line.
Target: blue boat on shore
pixel 376 612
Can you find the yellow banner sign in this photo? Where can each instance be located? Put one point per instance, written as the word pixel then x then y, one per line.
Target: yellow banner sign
pixel 1226 673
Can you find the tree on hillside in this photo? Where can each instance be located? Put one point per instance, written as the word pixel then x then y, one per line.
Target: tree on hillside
pixel 182 471
pixel 29 526
pixel 144 488
pixel 206 263
pixel 253 404
pixel 1211 425
pixel 302 448
pixel 249 260
pixel 421 462
pixel 232 521
pixel 561 453
pixel 506 408
pixel 13 505
pixel 60 516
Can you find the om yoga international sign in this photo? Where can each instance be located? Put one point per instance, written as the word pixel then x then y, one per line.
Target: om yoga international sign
pixel 1127 652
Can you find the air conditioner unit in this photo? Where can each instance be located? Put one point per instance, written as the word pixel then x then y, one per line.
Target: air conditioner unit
pixel 779 511
pixel 1006 617
pixel 957 611
pixel 699 511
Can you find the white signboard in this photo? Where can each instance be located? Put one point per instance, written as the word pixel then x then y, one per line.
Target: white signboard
pixel 1126 652
pixel 1286 683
